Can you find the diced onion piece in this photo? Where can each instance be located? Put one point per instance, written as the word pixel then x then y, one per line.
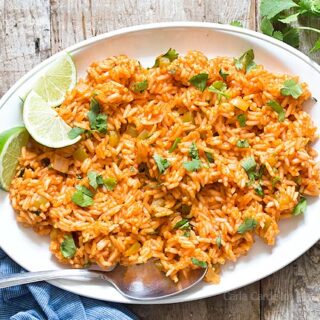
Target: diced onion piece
pixel 240 103
pixel 60 164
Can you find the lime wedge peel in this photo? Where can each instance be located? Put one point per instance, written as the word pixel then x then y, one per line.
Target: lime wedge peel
pixel 44 123
pixel 11 143
pixel 60 77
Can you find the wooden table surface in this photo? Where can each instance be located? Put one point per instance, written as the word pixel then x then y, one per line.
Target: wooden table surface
pixel 33 30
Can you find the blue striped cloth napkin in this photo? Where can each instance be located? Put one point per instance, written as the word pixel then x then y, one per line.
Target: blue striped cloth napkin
pixel 44 301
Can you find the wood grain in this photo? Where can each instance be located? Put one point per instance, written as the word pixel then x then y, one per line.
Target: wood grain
pixel 30 30
pixel 24 38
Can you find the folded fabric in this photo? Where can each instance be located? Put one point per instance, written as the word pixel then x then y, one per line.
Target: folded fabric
pixel 44 301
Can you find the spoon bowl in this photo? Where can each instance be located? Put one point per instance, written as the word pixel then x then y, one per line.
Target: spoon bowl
pixel 140 282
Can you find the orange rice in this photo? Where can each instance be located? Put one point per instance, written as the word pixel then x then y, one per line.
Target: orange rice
pixel 136 221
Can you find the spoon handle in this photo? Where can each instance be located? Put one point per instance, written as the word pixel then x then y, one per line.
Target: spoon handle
pixel 30 277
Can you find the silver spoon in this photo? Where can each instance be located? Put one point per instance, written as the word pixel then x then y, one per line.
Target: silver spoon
pixel 139 282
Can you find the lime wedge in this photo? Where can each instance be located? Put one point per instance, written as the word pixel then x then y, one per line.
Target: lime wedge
pixel 57 80
pixel 44 124
pixel 11 142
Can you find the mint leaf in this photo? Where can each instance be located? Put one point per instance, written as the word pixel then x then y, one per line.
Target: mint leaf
pixel 270 8
pixel 199 81
pixel 278 109
pixel 68 248
pixel 161 163
pixel 291 88
pixel 201 264
pixel 75 132
pixel 140 86
pixel 247 225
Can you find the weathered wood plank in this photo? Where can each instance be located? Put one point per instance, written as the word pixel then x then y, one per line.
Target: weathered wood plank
pixel 294 292
pixel 24 38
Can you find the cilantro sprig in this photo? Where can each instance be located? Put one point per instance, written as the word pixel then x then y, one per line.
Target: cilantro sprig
pixel 195 163
pixel 276 19
pixel 97 120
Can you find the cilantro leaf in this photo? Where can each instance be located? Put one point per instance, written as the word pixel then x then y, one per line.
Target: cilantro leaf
pixel 68 247
pixel 278 35
pixel 85 191
pixel 97 120
pixel 248 164
pixel 174 145
pixel 75 132
pixel 259 191
pixel 171 54
pixel 161 163
pixel 243 143
pixel 223 74
pixel 201 264
pixel 199 81
pixel 182 224
pixel 95 179
pixel 242 120
pixel 270 8
pixel 266 26
pixel 219 88
pixel 291 37
pixel 101 123
pixel 291 88
pixel 92 177
pixel 236 23
pixel 300 207
pixel 140 86
pixel 290 18
pixel 245 61
pixel 247 225
pixel 82 197
pixel 192 165
pixel 193 152
pixel 278 109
